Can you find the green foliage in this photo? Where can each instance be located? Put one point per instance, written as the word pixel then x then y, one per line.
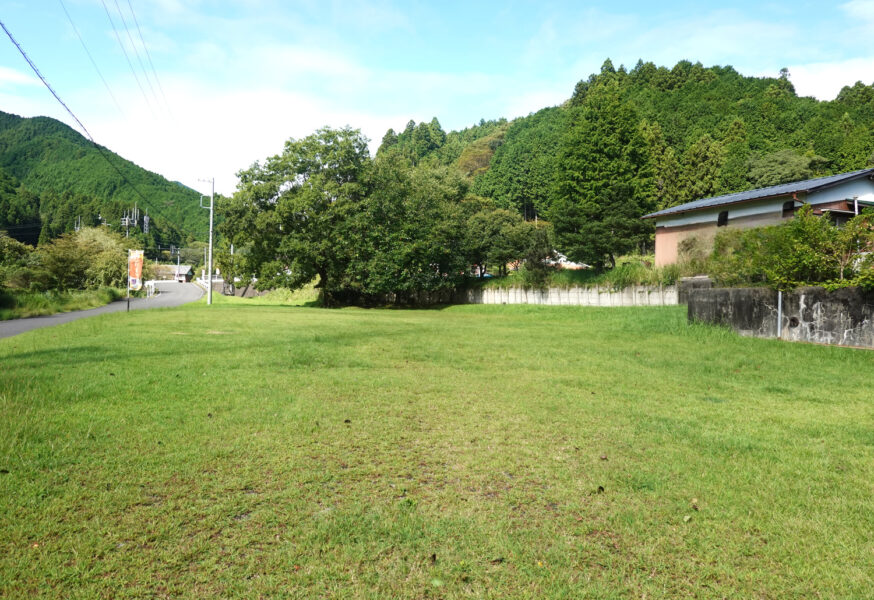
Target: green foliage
pixel 535 271
pixel 522 171
pixel 630 270
pixel 291 214
pixel 783 166
pixel 416 142
pixel 497 237
pixel 701 170
pixel 707 131
pixel 666 167
pixel 367 229
pixel 604 181
pixel 409 233
pixel 14 257
pixel 88 259
pixel 736 154
pixel 808 250
pixel 428 143
pixel 60 176
pixel 18 304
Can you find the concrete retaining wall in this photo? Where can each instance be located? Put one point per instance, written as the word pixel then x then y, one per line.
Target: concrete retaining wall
pixel 812 314
pixel 688 284
pixel 631 296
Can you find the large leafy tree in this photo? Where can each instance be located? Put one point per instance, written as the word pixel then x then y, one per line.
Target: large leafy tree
pixel 293 212
pixel 603 182
pixel 410 232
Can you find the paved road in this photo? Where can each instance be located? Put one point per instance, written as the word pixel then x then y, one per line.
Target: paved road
pixel 171 294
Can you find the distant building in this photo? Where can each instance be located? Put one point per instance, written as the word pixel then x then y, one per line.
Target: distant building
pixel 562 262
pixel 180 273
pixel 836 196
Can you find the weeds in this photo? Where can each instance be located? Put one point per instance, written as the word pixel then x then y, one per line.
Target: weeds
pixel 16 305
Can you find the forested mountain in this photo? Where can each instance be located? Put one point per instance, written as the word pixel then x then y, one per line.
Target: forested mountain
pixel 630 142
pixel 52 178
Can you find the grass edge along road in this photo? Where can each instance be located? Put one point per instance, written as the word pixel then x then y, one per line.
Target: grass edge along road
pixel 494 451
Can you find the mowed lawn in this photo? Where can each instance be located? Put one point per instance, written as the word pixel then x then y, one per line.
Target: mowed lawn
pixel 241 451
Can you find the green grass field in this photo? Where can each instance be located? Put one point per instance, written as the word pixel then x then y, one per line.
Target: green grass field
pixel 246 451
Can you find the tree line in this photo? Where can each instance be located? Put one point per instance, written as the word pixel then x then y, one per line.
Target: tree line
pixel 574 178
pixel 629 142
pixel 53 179
pixel 366 227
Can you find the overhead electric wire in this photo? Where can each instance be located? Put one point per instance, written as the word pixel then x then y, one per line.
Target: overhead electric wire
pixel 136 51
pixel 90 57
pixel 149 56
pixel 46 83
pixel 103 151
pixel 127 58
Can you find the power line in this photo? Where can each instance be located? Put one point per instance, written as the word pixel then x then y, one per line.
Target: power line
pixel 46 83
pixel 136 51
pixel 127 58
pixel 100 149
pixel 149 56
pixel 88 52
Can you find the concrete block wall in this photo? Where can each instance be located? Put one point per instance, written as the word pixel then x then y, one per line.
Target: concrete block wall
pixel 812 314
pixel 631 296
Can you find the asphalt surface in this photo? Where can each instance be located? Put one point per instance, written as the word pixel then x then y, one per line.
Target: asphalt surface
pixel 171 294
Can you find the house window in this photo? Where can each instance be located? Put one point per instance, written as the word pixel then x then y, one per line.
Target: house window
pixel 789 209
pixel 722 219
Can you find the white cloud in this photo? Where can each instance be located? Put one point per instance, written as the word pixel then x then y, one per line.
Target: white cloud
pixel 823 80
pixel 860 9
pixel 10 77
pixel 218 131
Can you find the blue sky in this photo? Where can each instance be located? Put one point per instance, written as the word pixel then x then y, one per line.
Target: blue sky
pixel 242 76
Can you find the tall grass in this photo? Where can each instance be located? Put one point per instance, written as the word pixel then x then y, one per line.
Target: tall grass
pixel 629 271
pixel 308 295
pixel 17 305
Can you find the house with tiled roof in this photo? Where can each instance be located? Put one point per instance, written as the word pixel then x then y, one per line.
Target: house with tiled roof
pixel 180 273
pixel 838 197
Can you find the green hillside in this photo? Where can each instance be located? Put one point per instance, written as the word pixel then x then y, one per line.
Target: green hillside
pixel 699 131
pixel 51 176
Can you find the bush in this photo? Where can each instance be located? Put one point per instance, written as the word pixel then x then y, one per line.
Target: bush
pixel 14 305
pixel 14 257
pixel 88 259
pixel 808 250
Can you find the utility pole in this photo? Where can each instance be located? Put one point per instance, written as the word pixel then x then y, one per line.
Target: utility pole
pixel 209 262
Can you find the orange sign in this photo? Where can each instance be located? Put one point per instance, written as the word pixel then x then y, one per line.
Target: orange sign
pixel 135 269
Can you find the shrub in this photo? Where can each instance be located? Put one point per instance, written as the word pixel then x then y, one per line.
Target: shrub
pixel 88 259
pixel 808 250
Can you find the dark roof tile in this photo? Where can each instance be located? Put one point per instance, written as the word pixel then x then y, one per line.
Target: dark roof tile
pixel 783 189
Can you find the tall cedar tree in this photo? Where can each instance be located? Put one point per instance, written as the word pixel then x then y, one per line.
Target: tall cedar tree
pixel 604 181
pixel 702 164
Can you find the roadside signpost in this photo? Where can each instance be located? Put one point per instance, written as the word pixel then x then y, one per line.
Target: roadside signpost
pixel 134 272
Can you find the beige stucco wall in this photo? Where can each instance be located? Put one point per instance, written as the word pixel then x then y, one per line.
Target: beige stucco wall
pixel 668 239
